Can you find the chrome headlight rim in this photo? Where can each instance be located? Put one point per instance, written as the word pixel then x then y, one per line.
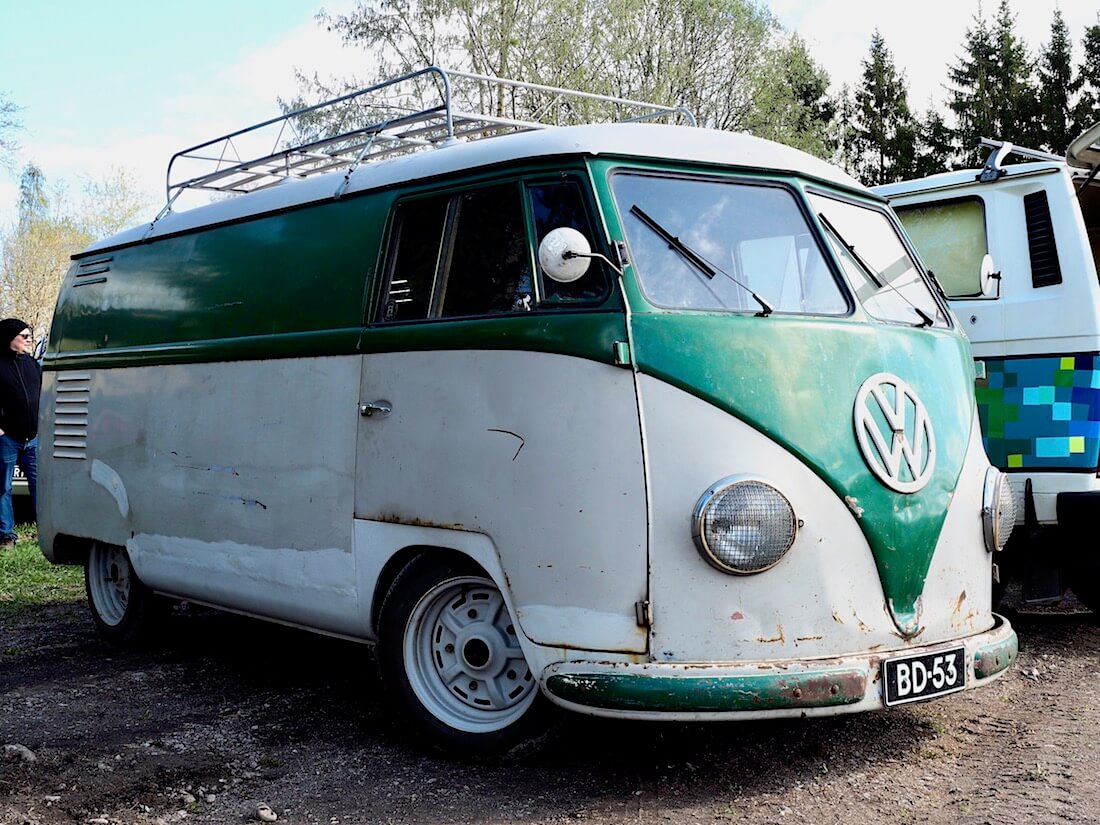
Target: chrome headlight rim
pixel 996 523
pixel 698 533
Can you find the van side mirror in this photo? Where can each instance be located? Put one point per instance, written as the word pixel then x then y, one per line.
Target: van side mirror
pixel 565 254
pixel 990 280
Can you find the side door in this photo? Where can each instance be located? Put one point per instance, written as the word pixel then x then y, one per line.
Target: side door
pixel 497 408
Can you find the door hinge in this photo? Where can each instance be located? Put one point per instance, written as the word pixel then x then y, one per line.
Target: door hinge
pixel 642 613
pixel 621 350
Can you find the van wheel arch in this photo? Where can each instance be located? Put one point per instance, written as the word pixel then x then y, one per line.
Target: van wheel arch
pixel 450 659
pixel 400 560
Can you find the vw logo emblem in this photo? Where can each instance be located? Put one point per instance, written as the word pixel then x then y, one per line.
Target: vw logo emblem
pixel 894 433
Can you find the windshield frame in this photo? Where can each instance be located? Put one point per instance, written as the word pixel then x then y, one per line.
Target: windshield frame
pixel 739 178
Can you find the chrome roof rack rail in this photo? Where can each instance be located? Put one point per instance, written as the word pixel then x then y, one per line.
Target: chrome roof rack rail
pixel 1001 149
pixel 385 119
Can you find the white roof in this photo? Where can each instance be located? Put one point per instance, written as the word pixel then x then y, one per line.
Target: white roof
pixel 644 141
pixel 962 177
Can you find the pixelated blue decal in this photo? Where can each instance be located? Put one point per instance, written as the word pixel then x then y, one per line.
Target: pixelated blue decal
pixel 1041 413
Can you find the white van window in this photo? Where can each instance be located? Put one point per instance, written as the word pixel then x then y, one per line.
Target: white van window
pixel 741 238
pixel 952 242
pixel 884 276
pixel 459 255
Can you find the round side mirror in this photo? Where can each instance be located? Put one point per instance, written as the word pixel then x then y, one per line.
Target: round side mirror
pixel 564 254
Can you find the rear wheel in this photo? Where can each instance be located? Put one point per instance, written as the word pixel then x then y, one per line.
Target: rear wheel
pixel 451 661
pixel 123 608
pixel 1084 581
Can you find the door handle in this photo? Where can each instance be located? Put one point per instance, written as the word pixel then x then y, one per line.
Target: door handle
pixel 379 408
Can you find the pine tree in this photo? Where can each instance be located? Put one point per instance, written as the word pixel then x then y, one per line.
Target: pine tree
pixel 885 131
pixel 971 98
pixel 1056 88
pixel 1014 94
pixel 1087 83
pixel 935 146
pixel 842 132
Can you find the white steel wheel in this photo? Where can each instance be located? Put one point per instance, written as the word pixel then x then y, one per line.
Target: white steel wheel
pixel 123 608
pixel 450 658
pixel 463 659
pixel 109 576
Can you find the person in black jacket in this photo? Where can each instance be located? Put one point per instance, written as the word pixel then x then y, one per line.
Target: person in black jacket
pixel 20 386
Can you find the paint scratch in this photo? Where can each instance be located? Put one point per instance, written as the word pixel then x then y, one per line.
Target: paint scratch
pixel 522 442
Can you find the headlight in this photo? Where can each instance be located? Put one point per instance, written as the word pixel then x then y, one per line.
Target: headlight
pixel 998 510
pixel 742 525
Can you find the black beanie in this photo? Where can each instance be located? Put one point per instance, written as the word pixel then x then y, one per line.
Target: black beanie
pixel 9 328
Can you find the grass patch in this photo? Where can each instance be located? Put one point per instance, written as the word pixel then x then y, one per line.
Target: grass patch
pixel 27 578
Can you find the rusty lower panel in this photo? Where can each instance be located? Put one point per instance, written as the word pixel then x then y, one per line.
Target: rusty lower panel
pixel 620 691
pixel 991 660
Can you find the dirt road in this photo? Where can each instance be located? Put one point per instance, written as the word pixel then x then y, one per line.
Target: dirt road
pixel 226 714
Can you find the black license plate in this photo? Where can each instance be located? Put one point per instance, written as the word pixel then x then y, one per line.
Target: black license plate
pixel 912 678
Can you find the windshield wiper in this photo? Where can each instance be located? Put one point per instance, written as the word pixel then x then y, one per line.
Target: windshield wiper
pixel 694 258
pixel 876 277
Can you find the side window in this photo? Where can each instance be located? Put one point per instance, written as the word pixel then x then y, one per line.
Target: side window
pixel 414 259
pixel 488 271
pixel 559 204
pixel 458 255
pixel 950 237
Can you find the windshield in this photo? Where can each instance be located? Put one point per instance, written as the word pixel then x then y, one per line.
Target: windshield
pixel 886 280
pixel 701 243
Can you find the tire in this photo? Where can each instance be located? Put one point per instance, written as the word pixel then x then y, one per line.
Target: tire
pixel 451 663
pixel 1084 581
pixel 124 610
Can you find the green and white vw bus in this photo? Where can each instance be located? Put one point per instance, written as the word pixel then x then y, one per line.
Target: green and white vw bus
pixel 638 420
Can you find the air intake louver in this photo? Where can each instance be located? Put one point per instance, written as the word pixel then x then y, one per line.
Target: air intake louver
pixel 86 270
pixel 70 415
pixel 1045 270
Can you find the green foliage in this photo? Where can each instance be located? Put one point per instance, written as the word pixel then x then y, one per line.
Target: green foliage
pixel 993 93
pixel 885 132
pixel 9 125
pixel 1055 88
pixel 726 60
pixel 50 228
pixel 936 145
pixel 27 578
pixel 1087 83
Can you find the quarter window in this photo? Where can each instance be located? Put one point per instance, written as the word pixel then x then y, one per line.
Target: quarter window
pixel 950 237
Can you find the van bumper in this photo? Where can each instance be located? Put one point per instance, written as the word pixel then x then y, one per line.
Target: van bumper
pixel 744 690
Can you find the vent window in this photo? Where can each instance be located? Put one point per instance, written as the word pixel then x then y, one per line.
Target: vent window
pixel 1045 270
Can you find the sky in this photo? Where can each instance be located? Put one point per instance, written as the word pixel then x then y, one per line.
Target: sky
pixel 131 83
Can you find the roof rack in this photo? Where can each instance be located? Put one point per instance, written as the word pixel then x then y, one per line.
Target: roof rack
pixel 1002 149
pixel 386 119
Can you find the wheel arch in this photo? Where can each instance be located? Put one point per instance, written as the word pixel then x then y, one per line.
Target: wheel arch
pixel 384 549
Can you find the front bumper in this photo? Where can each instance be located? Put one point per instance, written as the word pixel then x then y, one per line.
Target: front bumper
pixel 746 690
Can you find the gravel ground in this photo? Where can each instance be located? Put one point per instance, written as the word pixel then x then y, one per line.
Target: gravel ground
pixel 225 715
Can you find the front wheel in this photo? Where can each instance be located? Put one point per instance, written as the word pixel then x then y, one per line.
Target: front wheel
pixel 451 661
pixel 123 608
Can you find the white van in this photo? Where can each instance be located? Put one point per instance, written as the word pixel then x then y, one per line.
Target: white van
pixel 608 416
pixel 1016 248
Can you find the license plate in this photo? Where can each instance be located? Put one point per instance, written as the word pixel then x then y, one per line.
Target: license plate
pixel 912 678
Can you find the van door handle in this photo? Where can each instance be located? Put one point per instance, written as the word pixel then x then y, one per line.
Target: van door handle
pixel 379 408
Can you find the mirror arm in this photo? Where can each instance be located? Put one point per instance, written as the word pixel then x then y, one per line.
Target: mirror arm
pixel 569 255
